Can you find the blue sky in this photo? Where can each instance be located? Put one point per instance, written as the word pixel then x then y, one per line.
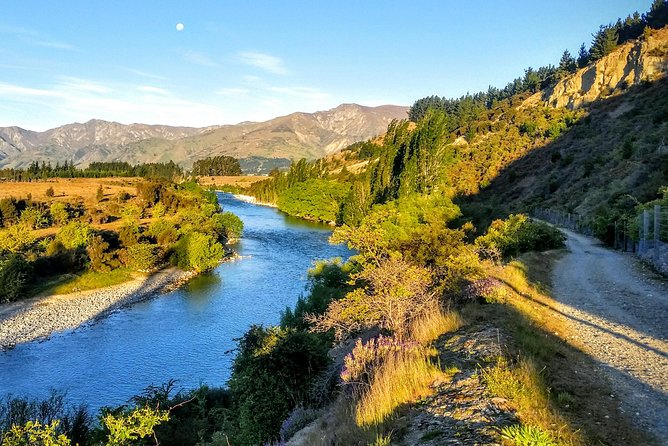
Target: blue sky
pixel 124 60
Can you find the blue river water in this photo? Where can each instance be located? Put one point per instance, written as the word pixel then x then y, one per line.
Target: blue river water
pixel 184 335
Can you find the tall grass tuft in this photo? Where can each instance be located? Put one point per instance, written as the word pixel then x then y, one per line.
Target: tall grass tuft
pixel 432 324
pixel 402 378
pixel 524 435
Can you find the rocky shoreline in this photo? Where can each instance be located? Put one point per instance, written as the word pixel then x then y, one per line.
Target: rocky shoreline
pixel 37 318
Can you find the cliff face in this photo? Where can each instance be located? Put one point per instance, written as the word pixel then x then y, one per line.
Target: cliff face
pixel 631 63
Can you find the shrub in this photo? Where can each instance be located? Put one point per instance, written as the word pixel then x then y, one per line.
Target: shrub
pixel 50 192
pixel 98 254
pixel 75 235
pixel 395 294
pixel 271 375
pixel 9 211
pixel 128 234
pixel 163 231
pixel 15 274
pixel 34 217
pixel 131 212
pixel 519 234
pixel 16 238
pixel 232 226
pixel 99 195
pixel 159 210
pixel 59 213
pixel 141 256
pixel 198 251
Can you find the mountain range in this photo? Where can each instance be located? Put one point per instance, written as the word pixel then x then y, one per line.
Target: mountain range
pixel 295 136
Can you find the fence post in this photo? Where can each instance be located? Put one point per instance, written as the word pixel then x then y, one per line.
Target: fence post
pixel 645 230
pixel 657 227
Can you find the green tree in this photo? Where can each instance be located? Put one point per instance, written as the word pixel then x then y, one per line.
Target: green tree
pixel 583 56
pixel 605 40
pixel 59 213
pixel 198 251
pixel 15 275
pixel 75 235
pixel 16 238
pixel 567 65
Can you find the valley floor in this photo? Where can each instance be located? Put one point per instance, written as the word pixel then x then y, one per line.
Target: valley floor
pixel 618 312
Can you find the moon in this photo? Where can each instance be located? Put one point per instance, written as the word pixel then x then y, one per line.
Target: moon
pixel 179 26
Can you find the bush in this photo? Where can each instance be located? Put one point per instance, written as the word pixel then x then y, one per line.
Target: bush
pixel 519 234
pixel 75 235
pixel 50 192
pixel 59 213
pixel 271 375
pixel 232 225
pixel 15 274
pixel 198 251
pixel 128 234
pixel 16 238
pixel 98 254
pixel 163 231
pixel 9 211
pixel 141 256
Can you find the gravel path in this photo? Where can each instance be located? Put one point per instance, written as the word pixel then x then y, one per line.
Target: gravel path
pixel 620 314
pixel 35 319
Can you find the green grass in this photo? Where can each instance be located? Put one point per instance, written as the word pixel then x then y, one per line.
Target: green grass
pixel 524 435
pixel 91 280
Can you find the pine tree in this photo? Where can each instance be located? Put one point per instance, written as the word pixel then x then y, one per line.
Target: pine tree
pixel 605 40
pixel 657 17
pixel 567 65
pixel 583 56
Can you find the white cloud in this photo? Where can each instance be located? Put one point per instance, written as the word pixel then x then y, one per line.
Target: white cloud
pixel 71 99
pixel 198 58
pixel 266 62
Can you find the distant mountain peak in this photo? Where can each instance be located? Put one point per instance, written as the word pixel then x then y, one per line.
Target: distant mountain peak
pixel 298 135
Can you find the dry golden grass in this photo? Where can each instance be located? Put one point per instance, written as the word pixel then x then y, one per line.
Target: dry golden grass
pixel 69 189
pixel 242 181
pixel 402 379
pixel 433 324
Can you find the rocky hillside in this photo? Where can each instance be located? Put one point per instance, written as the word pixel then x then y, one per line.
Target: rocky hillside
pixel 629 64
pixel 298 135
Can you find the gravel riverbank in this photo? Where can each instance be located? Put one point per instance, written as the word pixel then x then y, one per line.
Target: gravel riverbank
pixel 36 318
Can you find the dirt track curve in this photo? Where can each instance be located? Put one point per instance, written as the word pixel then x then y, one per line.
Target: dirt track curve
pixel 619 312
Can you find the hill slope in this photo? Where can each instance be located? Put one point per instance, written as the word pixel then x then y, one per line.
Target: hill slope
pixel 298 135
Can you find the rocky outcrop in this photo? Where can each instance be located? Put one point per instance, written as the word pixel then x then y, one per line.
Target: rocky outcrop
pixel 645 59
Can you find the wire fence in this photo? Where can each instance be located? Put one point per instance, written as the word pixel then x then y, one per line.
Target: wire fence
pixel 653 237
pixel 646 235
pixel 574 222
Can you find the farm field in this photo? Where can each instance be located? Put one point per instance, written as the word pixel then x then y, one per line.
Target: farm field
pixel 68 189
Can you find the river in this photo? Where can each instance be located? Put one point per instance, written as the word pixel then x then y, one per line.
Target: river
pixel 184 335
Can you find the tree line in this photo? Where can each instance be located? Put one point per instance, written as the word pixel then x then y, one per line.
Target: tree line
pixel 217 166
pixel 44 170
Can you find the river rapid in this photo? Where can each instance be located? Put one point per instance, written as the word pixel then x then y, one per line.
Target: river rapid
pixel 185 335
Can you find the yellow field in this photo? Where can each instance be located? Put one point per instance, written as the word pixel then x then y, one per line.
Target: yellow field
pixel 239 181
pixel 68 189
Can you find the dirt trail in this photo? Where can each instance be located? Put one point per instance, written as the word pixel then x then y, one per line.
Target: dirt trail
pixel 620 315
